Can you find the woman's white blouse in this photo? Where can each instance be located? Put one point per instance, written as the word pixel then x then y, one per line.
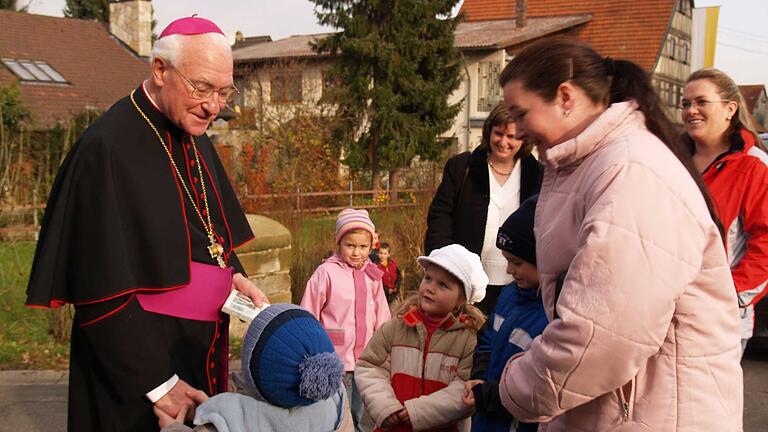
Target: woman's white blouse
pixel 505 199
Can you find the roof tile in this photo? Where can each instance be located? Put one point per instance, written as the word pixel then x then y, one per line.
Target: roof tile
pixel 627 29
pixel 493 34
pixel 99 68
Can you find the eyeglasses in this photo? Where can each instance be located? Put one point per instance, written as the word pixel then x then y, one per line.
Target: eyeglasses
pixel 698 103
pixel 204 91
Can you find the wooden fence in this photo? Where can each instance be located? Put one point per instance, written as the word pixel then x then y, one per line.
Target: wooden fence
pixel 334 201
pixel 24 220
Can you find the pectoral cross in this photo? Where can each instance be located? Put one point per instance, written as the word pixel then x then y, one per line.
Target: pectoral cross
pixel 217 251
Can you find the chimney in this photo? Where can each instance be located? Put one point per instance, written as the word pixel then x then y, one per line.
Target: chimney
pixel 131 22
pixel 520 13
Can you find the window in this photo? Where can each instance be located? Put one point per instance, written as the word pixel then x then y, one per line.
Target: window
pixel 488 89
pixel 329 81
pixel 669 93
pixel 286 87
pixel 34 71
pixel 674 95
pixel 664 91
pixel 241 83
pixel 684 51
pixel 672 47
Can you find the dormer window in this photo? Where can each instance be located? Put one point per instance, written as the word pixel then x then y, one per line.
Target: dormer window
pixel 34 71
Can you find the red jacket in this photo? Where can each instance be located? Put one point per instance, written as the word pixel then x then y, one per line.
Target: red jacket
pixel 390 277
pixel 738 184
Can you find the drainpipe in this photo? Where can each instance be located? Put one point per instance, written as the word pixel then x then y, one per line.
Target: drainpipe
pixel 520 13
pixel 469 103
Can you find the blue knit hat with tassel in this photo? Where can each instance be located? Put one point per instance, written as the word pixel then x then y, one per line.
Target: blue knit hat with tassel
pixel 288 359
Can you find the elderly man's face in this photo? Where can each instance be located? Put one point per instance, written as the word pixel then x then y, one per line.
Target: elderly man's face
pixel 204 65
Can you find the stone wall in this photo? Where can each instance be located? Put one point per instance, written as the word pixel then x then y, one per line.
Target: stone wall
pixel 131 22
pixel 267 261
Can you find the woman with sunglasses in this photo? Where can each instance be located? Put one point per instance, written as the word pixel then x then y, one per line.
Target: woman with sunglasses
pixel 731 157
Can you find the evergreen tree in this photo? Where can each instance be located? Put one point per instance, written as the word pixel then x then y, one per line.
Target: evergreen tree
pixel 395 67
pixel 87 9
pixel 8 4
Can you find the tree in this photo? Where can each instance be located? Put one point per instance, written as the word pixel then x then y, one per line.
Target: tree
pixel 13 113
pixel 8 5
pixel 395 68
pixel 87 9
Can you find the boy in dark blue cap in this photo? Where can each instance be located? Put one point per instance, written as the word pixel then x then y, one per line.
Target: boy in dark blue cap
pixel 292 376
pixel 517 318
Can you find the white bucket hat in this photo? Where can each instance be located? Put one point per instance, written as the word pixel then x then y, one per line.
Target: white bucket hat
pixel 465 265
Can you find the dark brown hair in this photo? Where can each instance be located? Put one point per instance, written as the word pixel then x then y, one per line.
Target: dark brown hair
pixel 544 65
pixel 501 116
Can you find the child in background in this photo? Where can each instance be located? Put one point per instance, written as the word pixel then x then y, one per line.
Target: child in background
pixel 391 278
pixel 292 376
pixel 517 318
pixel 346 295
pixel 375 247
pixel 411 375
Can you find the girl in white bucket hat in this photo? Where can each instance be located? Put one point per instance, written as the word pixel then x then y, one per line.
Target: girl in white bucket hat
pixel 411 374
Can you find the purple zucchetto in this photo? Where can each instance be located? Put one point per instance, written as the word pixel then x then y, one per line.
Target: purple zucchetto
pixel 190 26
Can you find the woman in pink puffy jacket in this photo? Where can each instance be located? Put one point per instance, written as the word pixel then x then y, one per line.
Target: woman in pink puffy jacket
pixel 644 331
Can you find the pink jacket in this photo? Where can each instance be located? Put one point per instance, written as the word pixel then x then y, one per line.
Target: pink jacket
pixel 330 297
pixel 647 334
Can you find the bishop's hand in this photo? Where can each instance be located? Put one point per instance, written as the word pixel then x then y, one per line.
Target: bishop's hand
pixel 176 404
pixel 245 286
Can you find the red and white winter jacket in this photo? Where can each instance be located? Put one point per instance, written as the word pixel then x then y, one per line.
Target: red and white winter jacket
pixel 738 184
pixel 402 367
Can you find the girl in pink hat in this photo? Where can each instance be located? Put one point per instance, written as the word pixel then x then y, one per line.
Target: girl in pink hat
pixel 346 295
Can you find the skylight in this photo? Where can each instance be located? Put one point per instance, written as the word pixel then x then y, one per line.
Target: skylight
pixel 35 71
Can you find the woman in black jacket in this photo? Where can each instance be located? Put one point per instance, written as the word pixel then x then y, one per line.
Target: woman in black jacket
pixel 477 193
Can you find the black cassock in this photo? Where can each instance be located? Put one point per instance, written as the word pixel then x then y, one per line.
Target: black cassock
pixel 118 222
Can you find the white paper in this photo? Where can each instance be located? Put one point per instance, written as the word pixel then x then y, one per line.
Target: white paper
pixel 240 306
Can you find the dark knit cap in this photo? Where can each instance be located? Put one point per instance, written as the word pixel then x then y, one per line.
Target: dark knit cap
pixel 516 233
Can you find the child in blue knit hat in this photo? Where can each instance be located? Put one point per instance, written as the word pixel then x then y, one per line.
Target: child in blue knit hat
pixel 292 376
pixel 515 321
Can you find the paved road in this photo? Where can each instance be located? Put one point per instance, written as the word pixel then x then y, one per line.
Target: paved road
pixel 37 402
pixel 33 401
pixel 755 366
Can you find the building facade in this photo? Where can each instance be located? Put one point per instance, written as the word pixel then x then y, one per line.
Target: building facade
pixel 654 34
pixel 757 103
pixel 65 66
pixel 280 79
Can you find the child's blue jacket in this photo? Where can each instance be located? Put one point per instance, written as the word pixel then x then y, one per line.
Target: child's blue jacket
pixel 515 321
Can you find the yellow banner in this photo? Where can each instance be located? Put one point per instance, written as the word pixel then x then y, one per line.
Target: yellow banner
pixel 710 35
pixel 704 37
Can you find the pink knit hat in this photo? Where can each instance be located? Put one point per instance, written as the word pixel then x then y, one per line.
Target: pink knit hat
pixel 350 219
